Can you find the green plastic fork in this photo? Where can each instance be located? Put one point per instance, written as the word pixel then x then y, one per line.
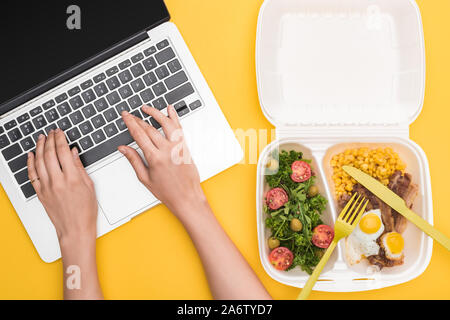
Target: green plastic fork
pixel 345 224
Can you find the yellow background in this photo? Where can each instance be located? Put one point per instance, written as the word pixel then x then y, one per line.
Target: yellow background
pixel 153 258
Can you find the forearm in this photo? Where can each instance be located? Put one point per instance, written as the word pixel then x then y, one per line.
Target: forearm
pixel 80 269
pixel 228 273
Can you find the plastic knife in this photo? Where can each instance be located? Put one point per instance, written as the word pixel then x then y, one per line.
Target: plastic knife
pixel 396 203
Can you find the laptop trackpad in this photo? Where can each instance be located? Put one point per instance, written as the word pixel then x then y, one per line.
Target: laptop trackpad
pixel 119 192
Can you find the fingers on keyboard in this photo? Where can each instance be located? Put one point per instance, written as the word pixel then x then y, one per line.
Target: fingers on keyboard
pixel 90 113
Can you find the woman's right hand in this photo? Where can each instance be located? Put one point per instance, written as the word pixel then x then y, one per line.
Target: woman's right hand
pixel 173 178
pixel 170 173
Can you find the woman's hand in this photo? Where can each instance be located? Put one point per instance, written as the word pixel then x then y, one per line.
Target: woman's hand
pixel 64 188
pixel 168 171
pixel 172 177
pixel 67 194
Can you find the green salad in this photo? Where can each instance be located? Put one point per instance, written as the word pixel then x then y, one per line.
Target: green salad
pixel 294 208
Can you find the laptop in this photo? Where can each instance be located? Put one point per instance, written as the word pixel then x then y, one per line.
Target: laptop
pixel 77 65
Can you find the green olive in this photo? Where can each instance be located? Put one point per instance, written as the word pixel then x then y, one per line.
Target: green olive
pixel 273 243
pixel 313 191
pixel 319 253
pixel 272 165
pixel 296 225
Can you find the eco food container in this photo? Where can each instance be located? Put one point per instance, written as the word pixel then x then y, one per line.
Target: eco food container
pixel 339 74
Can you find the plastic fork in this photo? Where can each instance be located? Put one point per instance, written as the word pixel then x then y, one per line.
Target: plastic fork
pixel 345 224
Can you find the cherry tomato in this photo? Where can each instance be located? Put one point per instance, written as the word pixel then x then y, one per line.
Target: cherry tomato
pixel 301 171
pixel 276 198
pixel 323 236
pixel 281 258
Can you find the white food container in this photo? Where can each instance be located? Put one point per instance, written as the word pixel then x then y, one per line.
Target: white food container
pixel 338 74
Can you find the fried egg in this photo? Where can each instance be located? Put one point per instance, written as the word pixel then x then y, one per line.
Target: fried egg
pixel 362 243
pixel 393 245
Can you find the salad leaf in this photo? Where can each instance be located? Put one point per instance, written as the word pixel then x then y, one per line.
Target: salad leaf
pixel 283 176
pixel 300 206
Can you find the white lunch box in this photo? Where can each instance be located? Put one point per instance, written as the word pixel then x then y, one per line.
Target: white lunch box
pixel 338 74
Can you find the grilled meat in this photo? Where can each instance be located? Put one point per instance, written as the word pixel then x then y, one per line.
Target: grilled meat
pixel 402 185
pixel 393 221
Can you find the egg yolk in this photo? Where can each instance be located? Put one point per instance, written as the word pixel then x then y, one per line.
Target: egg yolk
pixel 395 242
pixel 370 223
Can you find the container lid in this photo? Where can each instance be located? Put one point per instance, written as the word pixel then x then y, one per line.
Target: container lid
pixel 340 62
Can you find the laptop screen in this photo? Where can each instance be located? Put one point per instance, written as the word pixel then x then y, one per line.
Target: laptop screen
pixel 41 39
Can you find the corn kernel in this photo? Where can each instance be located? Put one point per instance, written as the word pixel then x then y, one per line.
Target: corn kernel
pixel 380 163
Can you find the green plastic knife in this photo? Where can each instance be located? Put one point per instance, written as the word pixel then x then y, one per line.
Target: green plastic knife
pixel 396 203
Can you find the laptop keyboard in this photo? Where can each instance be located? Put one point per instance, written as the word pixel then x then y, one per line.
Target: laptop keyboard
pixel 89 114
